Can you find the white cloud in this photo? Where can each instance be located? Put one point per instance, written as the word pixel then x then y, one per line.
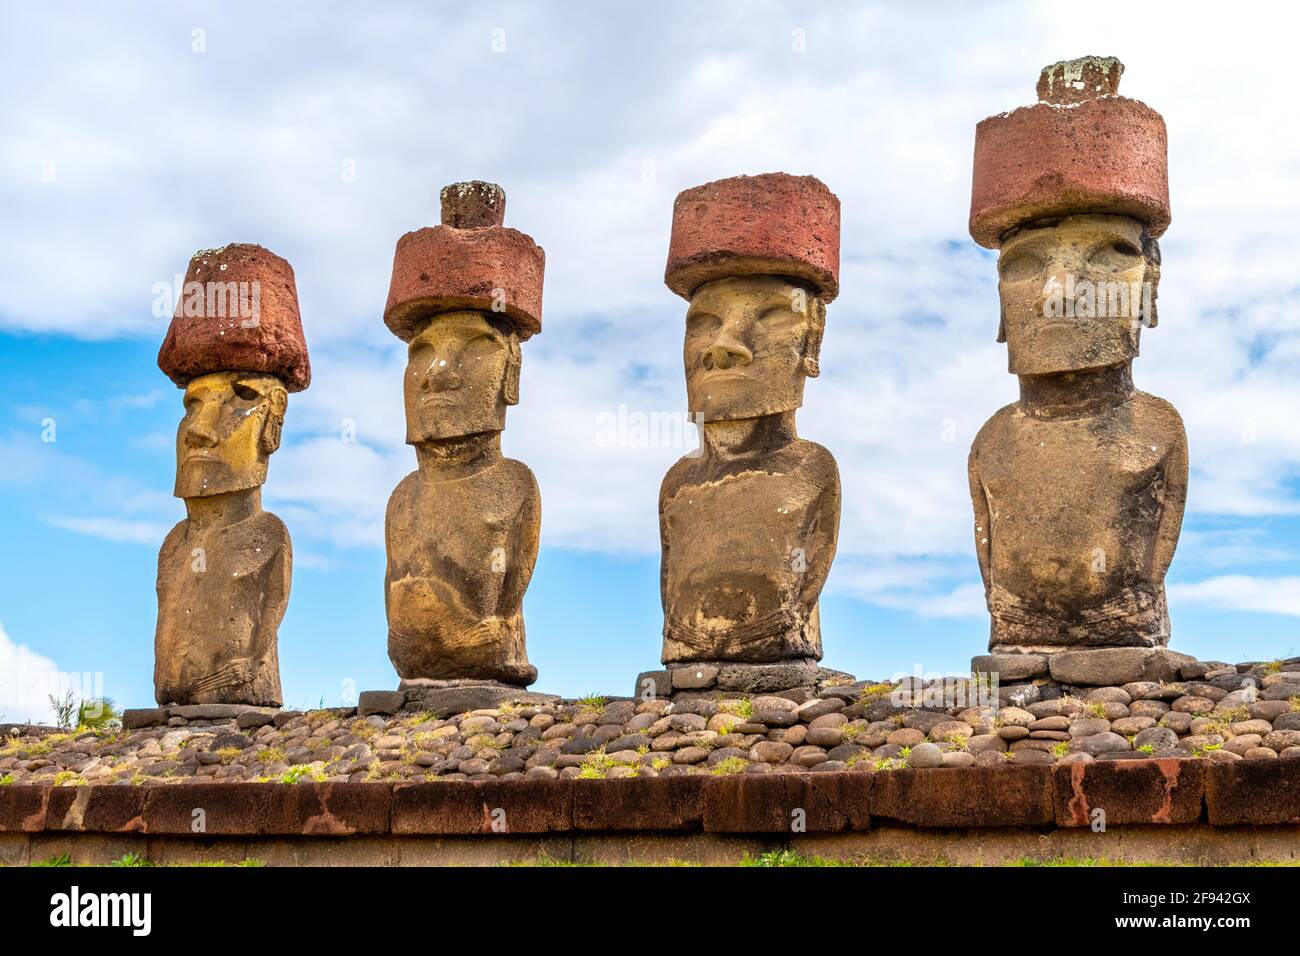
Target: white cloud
pixel 27 681
pixel 246 142
pixel 1239 592
pixel 113 529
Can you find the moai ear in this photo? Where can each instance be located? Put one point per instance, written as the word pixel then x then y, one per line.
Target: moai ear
pixel 1151 249
pixel 1002 325
pixel 812 348
pixel 277 403
pixel 510 387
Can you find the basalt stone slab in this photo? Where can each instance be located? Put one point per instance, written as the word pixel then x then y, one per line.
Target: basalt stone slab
pixel 23 808
pixel 1253 793
pixel 965 796
pixel 317 809
pixel 488 807
pixel 444 701
pixel 1113 666
pixel 766 678
pixel 97 809
pixel 693 676
pixel 787 803
pixel 218 711
pixel 1132 791
pixel 134 719
pixel 383 702
pixel 1011 667
pixel 640 803
pixel 653 684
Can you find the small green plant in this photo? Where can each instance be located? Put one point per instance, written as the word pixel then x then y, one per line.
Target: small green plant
pixel 6 780
pixel 742 707
pixel 64 776
pixel 1273 667
pixel 1061 749
pixel 300 772
pixel 1205 749
pixel 1096 709
pixel 729 766
pixel 98 714
pixel 1295 703
pixel 596 766
pixel 65 708
pixel 227 754
pixel 1146 749
pixel 873 692
pixel 131 859
pixel 889 763
pixel 594 702
pixel 63 859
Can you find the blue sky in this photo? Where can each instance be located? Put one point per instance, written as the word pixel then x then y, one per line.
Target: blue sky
pixel 130 140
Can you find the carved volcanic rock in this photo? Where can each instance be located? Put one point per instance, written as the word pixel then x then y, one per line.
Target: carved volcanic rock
pixel 238 312
pixel 772 224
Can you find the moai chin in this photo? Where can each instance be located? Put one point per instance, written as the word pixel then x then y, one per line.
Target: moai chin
pixel 1078 487
pixel 236 347
pixel 462 529
pixel 748 526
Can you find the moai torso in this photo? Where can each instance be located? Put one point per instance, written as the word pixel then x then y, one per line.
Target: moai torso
pixel 461 552
pixel 1076 521
pixel 222 592
pixel 747 543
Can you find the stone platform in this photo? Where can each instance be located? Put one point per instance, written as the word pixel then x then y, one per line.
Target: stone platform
pixel 1151 810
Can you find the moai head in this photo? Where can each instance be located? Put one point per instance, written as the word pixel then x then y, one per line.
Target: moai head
pixel 464 294
pixel 236 346
pixel 1074 192
pixel 757 257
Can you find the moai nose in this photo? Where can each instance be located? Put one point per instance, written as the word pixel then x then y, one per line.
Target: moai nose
pixel 441 378
pixel 726 352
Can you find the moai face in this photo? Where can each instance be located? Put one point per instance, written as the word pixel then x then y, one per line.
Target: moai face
pixel 750 343
pixel 1075 293
pixel 461 373
pixel 231 427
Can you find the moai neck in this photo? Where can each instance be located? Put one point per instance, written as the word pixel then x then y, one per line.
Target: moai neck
pixel 749 436
pixel 458 457
pixel 1085 392
pixel 218 511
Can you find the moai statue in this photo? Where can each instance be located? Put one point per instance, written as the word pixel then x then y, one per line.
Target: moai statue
pixel 1079 486
pixel 749 525
pixel 462 529
pixel 236 347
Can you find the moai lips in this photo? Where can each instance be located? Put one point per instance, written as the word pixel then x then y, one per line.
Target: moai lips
pixel 1082 149
pixel 238 311
pixel 1079 487
pixel 462 530
pixel 469 262
pixel 748 527
pixel 236 346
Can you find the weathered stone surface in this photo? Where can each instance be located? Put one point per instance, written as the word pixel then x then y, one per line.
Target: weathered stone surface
pixel 768 225
pixel 1253 793
pixel 694 677
pixel 381 702
pixel 765 678
pixel 1072 550
pixel 471 262
pixel 1115 665
pixel 455 595
pixel 1082 151
pixel 773 803
pixel 238 311
pixel 748 528
pixel 1129 792
pixel 338 809
pixel 649 803
pixel 653 684
pixel 224 572
pixel 1011 667
pixel 487 807
pixel 964 796
pixel 133 719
